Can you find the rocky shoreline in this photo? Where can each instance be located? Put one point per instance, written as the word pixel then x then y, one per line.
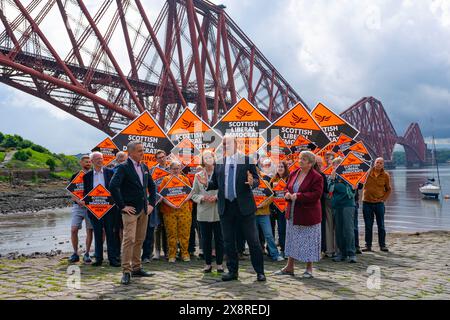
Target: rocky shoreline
pixel 29 197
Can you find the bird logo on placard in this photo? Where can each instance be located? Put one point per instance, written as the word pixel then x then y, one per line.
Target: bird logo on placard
pixel 143 127
pixel 243 113
pixel 321 118
pixel 352 160
pixel 187 124
pixel 296 119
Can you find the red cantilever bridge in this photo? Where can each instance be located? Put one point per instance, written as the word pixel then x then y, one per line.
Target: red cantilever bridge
pixel 107 64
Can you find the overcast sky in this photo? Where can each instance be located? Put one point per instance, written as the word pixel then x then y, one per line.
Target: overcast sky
pixel 330 51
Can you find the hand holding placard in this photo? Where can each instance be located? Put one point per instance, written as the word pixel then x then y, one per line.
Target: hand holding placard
pixel 249 178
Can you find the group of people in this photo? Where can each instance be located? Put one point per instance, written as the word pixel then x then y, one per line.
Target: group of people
pixel 320 219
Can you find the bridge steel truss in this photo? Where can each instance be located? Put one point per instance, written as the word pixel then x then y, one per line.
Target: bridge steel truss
pixel 106 68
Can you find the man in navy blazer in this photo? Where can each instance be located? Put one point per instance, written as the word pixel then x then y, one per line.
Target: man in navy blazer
pixel 129 186
pixel 235 177
pixel 102 175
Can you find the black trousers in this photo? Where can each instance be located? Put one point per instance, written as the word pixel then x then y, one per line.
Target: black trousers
pixel 232 219
pixel 108 222
pixel 240 241
pixel 194 228
pixel 207 229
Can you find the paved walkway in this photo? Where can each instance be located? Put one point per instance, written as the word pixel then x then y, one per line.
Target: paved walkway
pixel 418 267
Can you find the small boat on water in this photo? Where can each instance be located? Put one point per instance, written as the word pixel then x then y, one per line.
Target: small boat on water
pixel 431 189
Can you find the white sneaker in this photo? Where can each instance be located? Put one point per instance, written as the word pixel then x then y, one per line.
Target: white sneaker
pixel 156 256
pixel 280 258
pixel 172 260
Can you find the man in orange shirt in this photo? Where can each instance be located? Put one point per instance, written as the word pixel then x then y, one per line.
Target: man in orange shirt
pixel 375 192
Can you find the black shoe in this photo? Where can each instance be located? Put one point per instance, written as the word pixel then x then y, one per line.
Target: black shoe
pixel 142 273
pixel 207 270
pixel 358 251
pixel 385 249
pixel 97 263
pixel 115 264
pixel 74 258
pixel 367 249
pixel 229 276
pixel 261 277
pixel 126 278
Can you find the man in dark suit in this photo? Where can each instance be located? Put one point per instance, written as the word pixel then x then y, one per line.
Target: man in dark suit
pixel 102 175
pixel 129 187
pixel 235 178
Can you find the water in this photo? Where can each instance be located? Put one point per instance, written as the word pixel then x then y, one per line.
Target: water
pixel 406 211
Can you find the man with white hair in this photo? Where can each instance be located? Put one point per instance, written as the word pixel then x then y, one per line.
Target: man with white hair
pixel 121 157
pixel 375 192
pixel 102 175
pixel 234 177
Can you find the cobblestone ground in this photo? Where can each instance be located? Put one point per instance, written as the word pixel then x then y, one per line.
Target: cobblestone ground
pixel 417 267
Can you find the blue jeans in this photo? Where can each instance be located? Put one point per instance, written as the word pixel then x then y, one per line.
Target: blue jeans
pixel 371 210
pixel 266 227
pixel 279 218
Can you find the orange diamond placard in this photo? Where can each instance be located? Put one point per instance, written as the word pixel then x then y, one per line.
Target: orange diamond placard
pixel 360 150
pixel 76 186
pixel 99 201
pixel 302 144
pixel 279 190
pixel 277 150
pixel 297 121
pixel 191 126
pixel 352 169
pixel 158 175
pixel 245 122
pixel 176 191
pixel 145 129
pixel 108 149
pixel 262 192
pixel 332 124
pixel 327 171
pixel 343 143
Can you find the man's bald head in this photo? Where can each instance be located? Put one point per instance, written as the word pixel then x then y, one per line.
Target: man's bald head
pixel 229 144
pixel 379 163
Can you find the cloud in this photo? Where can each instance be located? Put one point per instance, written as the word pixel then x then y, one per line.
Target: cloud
pixel 338 52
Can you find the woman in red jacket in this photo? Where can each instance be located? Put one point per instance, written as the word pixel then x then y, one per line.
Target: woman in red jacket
pixel 303 215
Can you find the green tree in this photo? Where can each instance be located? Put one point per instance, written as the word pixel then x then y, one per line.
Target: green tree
pixel 9 142
pixel 21 155
pixel 39 148
pixel 51 164
pixel 2 137
pixel 25 144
